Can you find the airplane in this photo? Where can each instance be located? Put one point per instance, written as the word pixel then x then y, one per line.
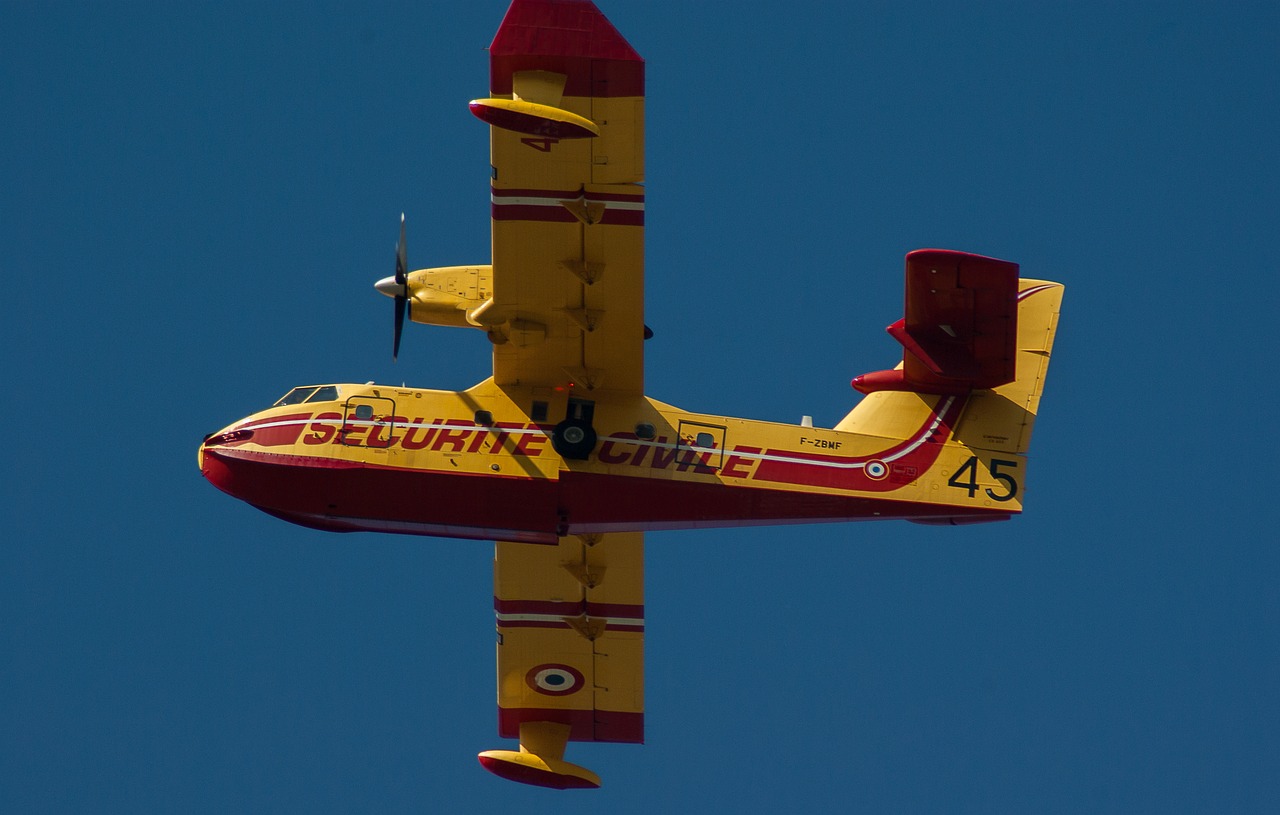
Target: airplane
pixel 560 457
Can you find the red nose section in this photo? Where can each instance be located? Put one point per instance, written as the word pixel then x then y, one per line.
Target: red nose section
pixel 340 495
pixel 215 470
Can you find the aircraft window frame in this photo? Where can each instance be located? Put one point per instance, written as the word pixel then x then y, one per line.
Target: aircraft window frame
pixel 324 393
pixel 296 396
pixel 692 436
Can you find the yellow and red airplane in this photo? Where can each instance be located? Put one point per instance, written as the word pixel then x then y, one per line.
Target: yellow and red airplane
pixel 562 459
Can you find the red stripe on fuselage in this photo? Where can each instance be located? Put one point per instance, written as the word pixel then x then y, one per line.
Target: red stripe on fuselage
pixel 904 460
pixel 345 495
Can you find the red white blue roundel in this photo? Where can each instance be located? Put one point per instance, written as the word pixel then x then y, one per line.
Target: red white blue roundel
pixel 875 469
pixel 554 680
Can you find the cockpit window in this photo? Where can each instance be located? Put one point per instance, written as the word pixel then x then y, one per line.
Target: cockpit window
pixel 329 393
pixel 296 396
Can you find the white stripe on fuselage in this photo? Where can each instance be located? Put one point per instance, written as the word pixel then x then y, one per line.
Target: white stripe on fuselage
pixel 915 443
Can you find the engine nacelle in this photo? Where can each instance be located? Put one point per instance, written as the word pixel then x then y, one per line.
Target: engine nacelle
pixel 449 295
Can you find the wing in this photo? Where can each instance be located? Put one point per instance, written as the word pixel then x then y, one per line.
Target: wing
pixel 960 326
pixel 570 652
pixel 567 147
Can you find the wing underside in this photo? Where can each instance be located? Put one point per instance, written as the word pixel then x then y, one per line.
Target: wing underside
pixel 566 110
pixel 570 621
pixel 566 313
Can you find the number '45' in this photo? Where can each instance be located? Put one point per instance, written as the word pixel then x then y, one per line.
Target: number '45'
pixel 966 478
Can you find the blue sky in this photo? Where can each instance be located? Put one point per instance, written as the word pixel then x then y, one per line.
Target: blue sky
pixel 198 198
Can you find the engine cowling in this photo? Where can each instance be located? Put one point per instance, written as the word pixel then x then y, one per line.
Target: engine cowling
pixel 449 295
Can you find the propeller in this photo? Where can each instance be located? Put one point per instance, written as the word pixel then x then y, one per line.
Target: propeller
pixel 397 286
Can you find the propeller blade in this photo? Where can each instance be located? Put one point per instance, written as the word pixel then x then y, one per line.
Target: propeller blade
pixel 402 280
pixel 402 265
pixel 400 304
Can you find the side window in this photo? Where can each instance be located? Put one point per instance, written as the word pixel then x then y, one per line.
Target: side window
pixel 296 396
pixel 329 393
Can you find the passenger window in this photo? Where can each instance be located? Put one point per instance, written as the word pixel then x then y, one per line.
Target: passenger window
pixel 364 412
pixel 705 440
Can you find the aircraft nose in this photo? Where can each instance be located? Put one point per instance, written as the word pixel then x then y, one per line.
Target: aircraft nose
pixel 214 468
pixel 390 287
pixel 202 452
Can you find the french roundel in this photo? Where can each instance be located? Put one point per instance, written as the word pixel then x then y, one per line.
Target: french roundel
pixel 554 680
pixel 876 469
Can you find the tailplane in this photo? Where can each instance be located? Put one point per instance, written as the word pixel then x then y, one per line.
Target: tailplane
pixel 973 328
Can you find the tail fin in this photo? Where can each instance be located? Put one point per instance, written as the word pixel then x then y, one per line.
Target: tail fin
pixel 999 418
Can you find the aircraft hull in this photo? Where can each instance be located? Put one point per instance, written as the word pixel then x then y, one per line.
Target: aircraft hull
pixel 346 496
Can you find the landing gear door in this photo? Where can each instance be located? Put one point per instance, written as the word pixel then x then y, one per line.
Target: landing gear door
pixel 367 421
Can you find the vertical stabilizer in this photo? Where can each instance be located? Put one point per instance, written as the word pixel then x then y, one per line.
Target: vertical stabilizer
pixel 1001 419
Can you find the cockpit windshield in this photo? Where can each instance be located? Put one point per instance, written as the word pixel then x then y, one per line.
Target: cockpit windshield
pixel 309 393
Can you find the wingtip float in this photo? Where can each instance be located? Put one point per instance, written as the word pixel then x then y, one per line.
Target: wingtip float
pixel 540 760
pixel 562 459
pixel 533 119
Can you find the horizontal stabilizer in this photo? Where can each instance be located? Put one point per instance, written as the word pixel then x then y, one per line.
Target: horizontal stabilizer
pixel 960 328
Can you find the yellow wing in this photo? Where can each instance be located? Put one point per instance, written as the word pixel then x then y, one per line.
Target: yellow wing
pixel 566 313
pixel 567 147
pixel 570 651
